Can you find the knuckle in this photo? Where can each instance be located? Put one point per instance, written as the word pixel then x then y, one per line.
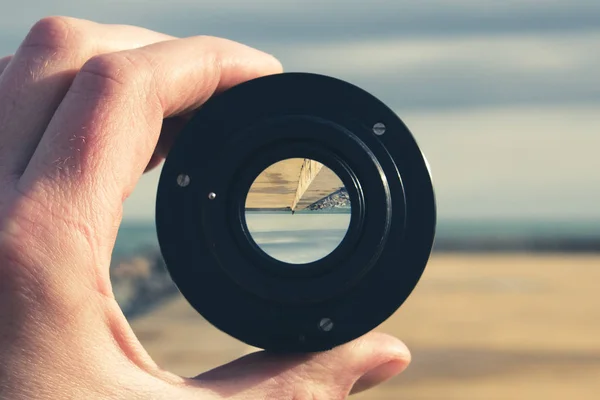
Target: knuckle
pixel 5 60
pixel 113 74
pixel 54 34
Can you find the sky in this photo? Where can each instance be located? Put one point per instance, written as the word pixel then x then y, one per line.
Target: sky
pixel 503 97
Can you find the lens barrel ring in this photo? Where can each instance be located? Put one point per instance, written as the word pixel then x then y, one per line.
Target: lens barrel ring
pixel 205 241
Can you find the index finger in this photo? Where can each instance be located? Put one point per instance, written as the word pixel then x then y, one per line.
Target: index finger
pixel 104 132
pixel 4 63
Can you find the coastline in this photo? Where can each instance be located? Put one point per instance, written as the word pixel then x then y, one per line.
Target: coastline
pixel 509 326
pixel 141 281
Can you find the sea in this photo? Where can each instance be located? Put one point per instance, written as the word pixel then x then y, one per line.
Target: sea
pixel 294 238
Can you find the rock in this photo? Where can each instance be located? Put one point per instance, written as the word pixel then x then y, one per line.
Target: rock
pixel 335 200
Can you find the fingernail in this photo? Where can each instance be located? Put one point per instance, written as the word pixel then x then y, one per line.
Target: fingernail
pixel 379 375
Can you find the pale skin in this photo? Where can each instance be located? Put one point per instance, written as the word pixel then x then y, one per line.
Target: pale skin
pixel 85 110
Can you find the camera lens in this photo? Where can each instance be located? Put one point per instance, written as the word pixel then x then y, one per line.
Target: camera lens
pixel 295 212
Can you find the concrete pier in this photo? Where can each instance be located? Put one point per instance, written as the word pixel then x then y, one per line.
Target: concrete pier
pixel 292 184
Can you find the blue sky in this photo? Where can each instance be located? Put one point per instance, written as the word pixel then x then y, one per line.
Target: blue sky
pixel 504 97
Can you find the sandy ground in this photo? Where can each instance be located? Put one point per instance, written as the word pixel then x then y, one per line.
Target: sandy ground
pixel 478 326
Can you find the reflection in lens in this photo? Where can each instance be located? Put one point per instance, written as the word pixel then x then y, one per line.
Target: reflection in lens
pixel 298 211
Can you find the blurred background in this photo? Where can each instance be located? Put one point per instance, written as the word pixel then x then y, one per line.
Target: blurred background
pixel 504 99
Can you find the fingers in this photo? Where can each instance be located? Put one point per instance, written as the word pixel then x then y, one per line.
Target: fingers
pixel 4 62
pixel 351 368
pixel 103 134
pixel 378 375
pixel 41 71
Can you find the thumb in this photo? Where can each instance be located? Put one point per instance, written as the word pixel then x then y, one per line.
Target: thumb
pixel 350 368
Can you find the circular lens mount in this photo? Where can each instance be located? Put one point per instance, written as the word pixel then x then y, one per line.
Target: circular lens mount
pixel 210 252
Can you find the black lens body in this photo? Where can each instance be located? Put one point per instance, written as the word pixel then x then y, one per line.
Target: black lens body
pixel 204 237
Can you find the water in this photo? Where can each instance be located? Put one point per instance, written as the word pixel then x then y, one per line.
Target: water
pixel 299 238
pixel 134 237
pixel 515 229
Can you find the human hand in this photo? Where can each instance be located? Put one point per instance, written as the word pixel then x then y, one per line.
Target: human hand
pixel 85 109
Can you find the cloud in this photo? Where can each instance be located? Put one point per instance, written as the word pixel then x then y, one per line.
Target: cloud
pixel 513 162
pixel 420 72
pixel 262 22
pixel 510 162
pixel 461 72
pixel 286 21
pixel 502 96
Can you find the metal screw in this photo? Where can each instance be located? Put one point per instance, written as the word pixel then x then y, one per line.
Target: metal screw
pixel 183 180
pixel 326 324
pixel 379 129
pixel 212 195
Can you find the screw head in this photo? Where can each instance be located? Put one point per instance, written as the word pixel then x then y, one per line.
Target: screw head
pixel 326 324
pixel 183 180
pixel 379 129
pixel 212 195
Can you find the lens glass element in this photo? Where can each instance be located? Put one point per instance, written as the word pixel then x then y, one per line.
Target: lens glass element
pixel 298 211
